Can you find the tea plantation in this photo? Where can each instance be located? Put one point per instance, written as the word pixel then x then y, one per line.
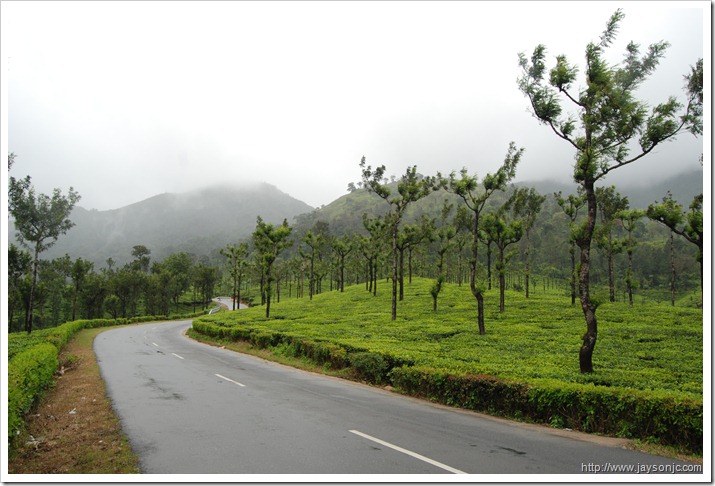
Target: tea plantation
pixel 648 359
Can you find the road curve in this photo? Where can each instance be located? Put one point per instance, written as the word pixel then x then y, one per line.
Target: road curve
pixel 190 408
pixel 228 303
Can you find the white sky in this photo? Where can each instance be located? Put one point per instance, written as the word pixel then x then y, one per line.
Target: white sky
pixel 125 100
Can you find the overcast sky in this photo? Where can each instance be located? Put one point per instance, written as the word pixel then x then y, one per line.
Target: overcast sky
pixel 125 100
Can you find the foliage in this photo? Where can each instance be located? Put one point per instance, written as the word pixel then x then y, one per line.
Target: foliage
pixel 30 373
pixel 606 118
pixel 474 195
pixel 688 225
pixel 410 188
pixel 270 241
pixel 39 220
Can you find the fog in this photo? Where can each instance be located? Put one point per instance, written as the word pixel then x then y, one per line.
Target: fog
pixel 125 100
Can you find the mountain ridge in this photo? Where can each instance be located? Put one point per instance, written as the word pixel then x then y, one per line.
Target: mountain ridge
pixel 165 223
pixel 205 219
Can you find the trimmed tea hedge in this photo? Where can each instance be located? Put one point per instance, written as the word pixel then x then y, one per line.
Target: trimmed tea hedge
pixel 30 373
pixel 668 418
pixel 662 416
pixel 33 360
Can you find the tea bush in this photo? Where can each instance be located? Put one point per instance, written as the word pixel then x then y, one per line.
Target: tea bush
pixel 30 373
pixel 649 358
pixel 33 359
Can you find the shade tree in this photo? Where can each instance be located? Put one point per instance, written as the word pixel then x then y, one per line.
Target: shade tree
pixel 40 220
pixel 270 241
pixel 237 259
pixel 411 187
pixel 442 236
pixel 525 204
pixel 503 231
pixel 571 205
pixel 609 203
pixel 607 126
pixel 630 220
pixel 475 194
pixel 688 224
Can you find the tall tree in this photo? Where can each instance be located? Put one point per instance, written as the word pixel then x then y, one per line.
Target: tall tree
pixel 607 119
pixel 503 233
pixel 79 273
pixel 408 238
pixel 475 195
pixel 526 205
pixel 19 265
pixel 39 220
pixel 410 188
pixel 630 219
pixel 270 241
pixel 314 241
pixel 443 237
pixel 372 247
pixel 236 260
pixel 179 266
pixel 204 279
pixel 688 225
pixel 141 258
pixel 571 206
pixel 342 247
pixel 609 203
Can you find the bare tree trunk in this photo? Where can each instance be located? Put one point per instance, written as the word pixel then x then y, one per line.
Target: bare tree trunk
pixel 402 274
pixel 35 264
pixel 489 265
pixel 629 277
pixel 611 274
pixel 572 250
pixel 473 276
pixel 589 310
pixel 528 266
pixel 501 269
pixel 672 270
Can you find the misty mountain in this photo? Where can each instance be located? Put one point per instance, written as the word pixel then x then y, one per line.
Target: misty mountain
pixel 196 222
pixel 684 187
pixel 344 215
pixel 205 220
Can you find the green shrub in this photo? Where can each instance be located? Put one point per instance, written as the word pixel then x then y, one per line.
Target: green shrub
pixel 627 413
pixel 30 373
pixel 265 339
pixel 372 367
pixel 33 360
pixel 333 354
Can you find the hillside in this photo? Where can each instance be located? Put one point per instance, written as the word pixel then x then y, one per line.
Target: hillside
pixel 345 213
pixel 684 188
pixel 205 220
pixel 196 222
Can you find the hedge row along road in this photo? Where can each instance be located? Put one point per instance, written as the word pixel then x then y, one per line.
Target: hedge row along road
pixel 192 408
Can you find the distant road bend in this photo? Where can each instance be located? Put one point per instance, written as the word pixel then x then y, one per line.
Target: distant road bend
pixel 190 408
pixel 228 303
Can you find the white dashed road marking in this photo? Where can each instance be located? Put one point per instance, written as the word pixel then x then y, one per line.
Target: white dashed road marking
pixel 409 453
pixel 229 379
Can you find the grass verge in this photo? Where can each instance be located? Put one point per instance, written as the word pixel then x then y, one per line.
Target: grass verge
pixel 73 429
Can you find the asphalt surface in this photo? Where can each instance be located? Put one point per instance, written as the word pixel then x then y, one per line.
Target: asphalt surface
pixel 191 408
pixel 228 303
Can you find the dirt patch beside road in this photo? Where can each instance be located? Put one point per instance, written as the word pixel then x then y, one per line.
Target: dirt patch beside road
pixel 73 429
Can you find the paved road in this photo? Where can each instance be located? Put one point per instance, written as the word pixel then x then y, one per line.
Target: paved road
pixel 192 408
pixel 228 303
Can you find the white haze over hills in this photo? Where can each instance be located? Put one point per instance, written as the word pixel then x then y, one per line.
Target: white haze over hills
pixel 205 219
pixel 124 100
